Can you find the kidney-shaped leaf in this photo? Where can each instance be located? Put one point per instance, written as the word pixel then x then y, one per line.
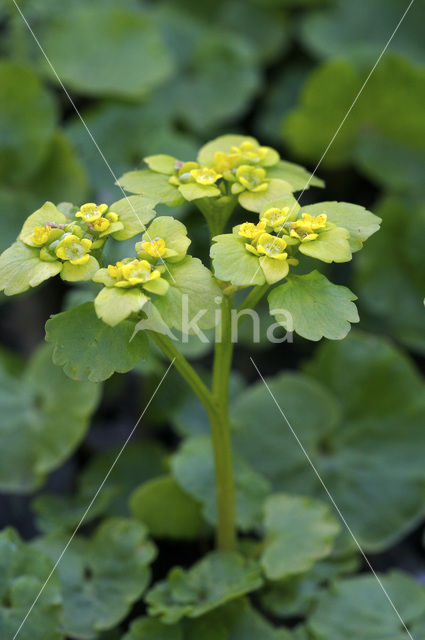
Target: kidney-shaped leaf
pixel 299 531
pixel 45 416
pixel 220 577
pixel 89 349
pixel 358 608
pixel 313 307
pixel 362 427
pixel 23 573
pixel 101 577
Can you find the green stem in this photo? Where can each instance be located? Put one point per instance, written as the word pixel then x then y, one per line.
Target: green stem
pixel 220 430
pixel 216 404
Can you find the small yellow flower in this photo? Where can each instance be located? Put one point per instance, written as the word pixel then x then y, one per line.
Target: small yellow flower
pixel 100 225
pixel 252 178
pixel 74 249
pixel 40 236
pixel 90 211
pixel 224 161
pixel 112 217
pixel 114 270
pixel 306 228
pixel 185 172
pixel 275 218
pixel 155 248
pixel 205 176
pixel 251 230
pixel 272 246
pixel 134 273
pixel 250 152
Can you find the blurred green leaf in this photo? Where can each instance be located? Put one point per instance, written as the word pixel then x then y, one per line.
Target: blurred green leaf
pixel 220 577
pixel 27 121
pixel 299 532
pixel 166 510
pixel 46 415
pixel 126 133
pixel 358 607
pixel 313 307
pixel 351 429
pixel 330 91
pixel 359 31
pixel 237 620
pixel 101 577
pixel 107 50
pixel 138 462
pixel 89 349
pixel 193 468
pixel 392 291
pixel 23 574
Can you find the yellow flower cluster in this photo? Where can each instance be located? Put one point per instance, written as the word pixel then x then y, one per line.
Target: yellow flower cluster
pixel 97 217
pixel 131 273
pixel 306 229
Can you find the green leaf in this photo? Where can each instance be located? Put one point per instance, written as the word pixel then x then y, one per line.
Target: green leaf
pixel 237 620
pixel 222 143
pixel 298 177
pixel 233 263
pixel 47 213
pixel 299 532
pixel 161 163
pixel 46 415
pixel 134 212
pixel 89 349
pixel 80 272
pixel 358 607
pixel 328 94
pixel 139 462
pixel 194 191
pixel 193 468
pixel 313 307
pixel 360 222
pixel 27 121
pixel 126 132
pixel 192 290
pixel 98 50
pixel 218 578
pixel 24 572
pixel 151 629
pixel 197 95
pixel 113 305
pixel 151 185
pixel 172 231
pixel 357 33
pixel 61 176
pixel 350 428
pixel 386 284
pixel 257 201
pixel 166 510
pixel 21 269
pixel 330 246
pixel 102 577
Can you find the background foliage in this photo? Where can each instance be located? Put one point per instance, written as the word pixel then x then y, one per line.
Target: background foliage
pixel 164 77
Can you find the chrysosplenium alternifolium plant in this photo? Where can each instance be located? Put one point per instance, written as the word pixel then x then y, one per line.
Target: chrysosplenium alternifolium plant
pixel 160 283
